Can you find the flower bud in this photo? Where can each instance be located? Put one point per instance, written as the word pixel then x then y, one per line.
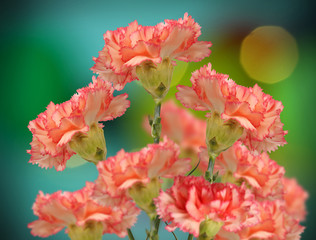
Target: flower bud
pixel 220 134
pixel 143 195
pixel 92 230
pixel 156 78
pixel 91 145
pixel 208 229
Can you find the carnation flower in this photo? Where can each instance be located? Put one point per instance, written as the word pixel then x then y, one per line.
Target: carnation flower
pixel 134 45
pixel 274 224
pixel 126 173
pixel 184 129
pixel 254 110
pixel 58 131
pixel 295 198
pixel 77 210
pixel 238 164
pixel 192 200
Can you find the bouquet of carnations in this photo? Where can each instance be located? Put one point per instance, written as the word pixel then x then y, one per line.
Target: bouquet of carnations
pixel 211 177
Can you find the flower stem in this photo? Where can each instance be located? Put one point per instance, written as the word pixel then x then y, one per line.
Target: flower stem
pixel 209 174
pixel 156 124
pixel 174 235
pixel 130 234
pixel 190 237
pixel 192 171
pixel 154 228
pixel 155 133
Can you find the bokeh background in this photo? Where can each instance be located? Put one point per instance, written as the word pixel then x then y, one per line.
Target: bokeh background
pixel 46 51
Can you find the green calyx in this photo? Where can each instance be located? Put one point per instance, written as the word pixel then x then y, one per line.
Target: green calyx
pixel 92 230
pixel 208 229
pixel 91 145
pixel 156 78
pixel 143 195
pixel 220 134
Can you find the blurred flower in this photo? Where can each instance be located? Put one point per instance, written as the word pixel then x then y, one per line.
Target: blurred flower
pixel 192 200
pixel 255 111
pixel 129 173
pixel 64 126
pixel 295 198
pixel 184 129
pixel 80 214
pixel 275 224
pixel 238 164
pixel 147 47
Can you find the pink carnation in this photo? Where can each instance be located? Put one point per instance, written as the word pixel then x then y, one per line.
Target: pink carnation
pixel 256 112
pixel 275 224
pixel 183 128
pixel 192 199
pixel 259 171
pixel 119 173
pixel 295 197
pixel 127 47
pixel 53 129
pixel 60 210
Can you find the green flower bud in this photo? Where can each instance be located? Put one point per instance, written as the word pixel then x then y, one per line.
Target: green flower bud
pixel 220 134
pixel 208 229
pixel 156 78
pixel 91 145
pixel 143 195
pixel 92 230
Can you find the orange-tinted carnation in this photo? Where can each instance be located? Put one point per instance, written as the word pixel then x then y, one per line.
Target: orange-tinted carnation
pixel 258 171
pixel 255 111
pixel 295 197
pixel 191 200
pixel 127 47
pixel 60 210
pixel 275 224
pixel 53 129
pixel 119 173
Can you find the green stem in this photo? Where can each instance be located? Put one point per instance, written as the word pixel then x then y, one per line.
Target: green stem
pixel 156 124
pixel 130 234
pixel 194 168
pixel 154 228
pixel 174 235
pixel 155 133
pixel 190 237
pixel 209 174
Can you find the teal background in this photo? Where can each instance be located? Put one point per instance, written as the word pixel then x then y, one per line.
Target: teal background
pixel 46 51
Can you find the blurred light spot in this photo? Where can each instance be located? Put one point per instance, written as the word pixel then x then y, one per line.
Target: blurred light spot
pixel 269 54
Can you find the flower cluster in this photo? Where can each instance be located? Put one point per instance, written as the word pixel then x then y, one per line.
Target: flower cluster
pixel 237 193
pixel 254 200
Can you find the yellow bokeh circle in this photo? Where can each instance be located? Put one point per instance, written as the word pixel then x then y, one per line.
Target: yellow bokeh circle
pixel 269 54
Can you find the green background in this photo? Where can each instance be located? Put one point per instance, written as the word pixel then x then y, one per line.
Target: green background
pixel 46 51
